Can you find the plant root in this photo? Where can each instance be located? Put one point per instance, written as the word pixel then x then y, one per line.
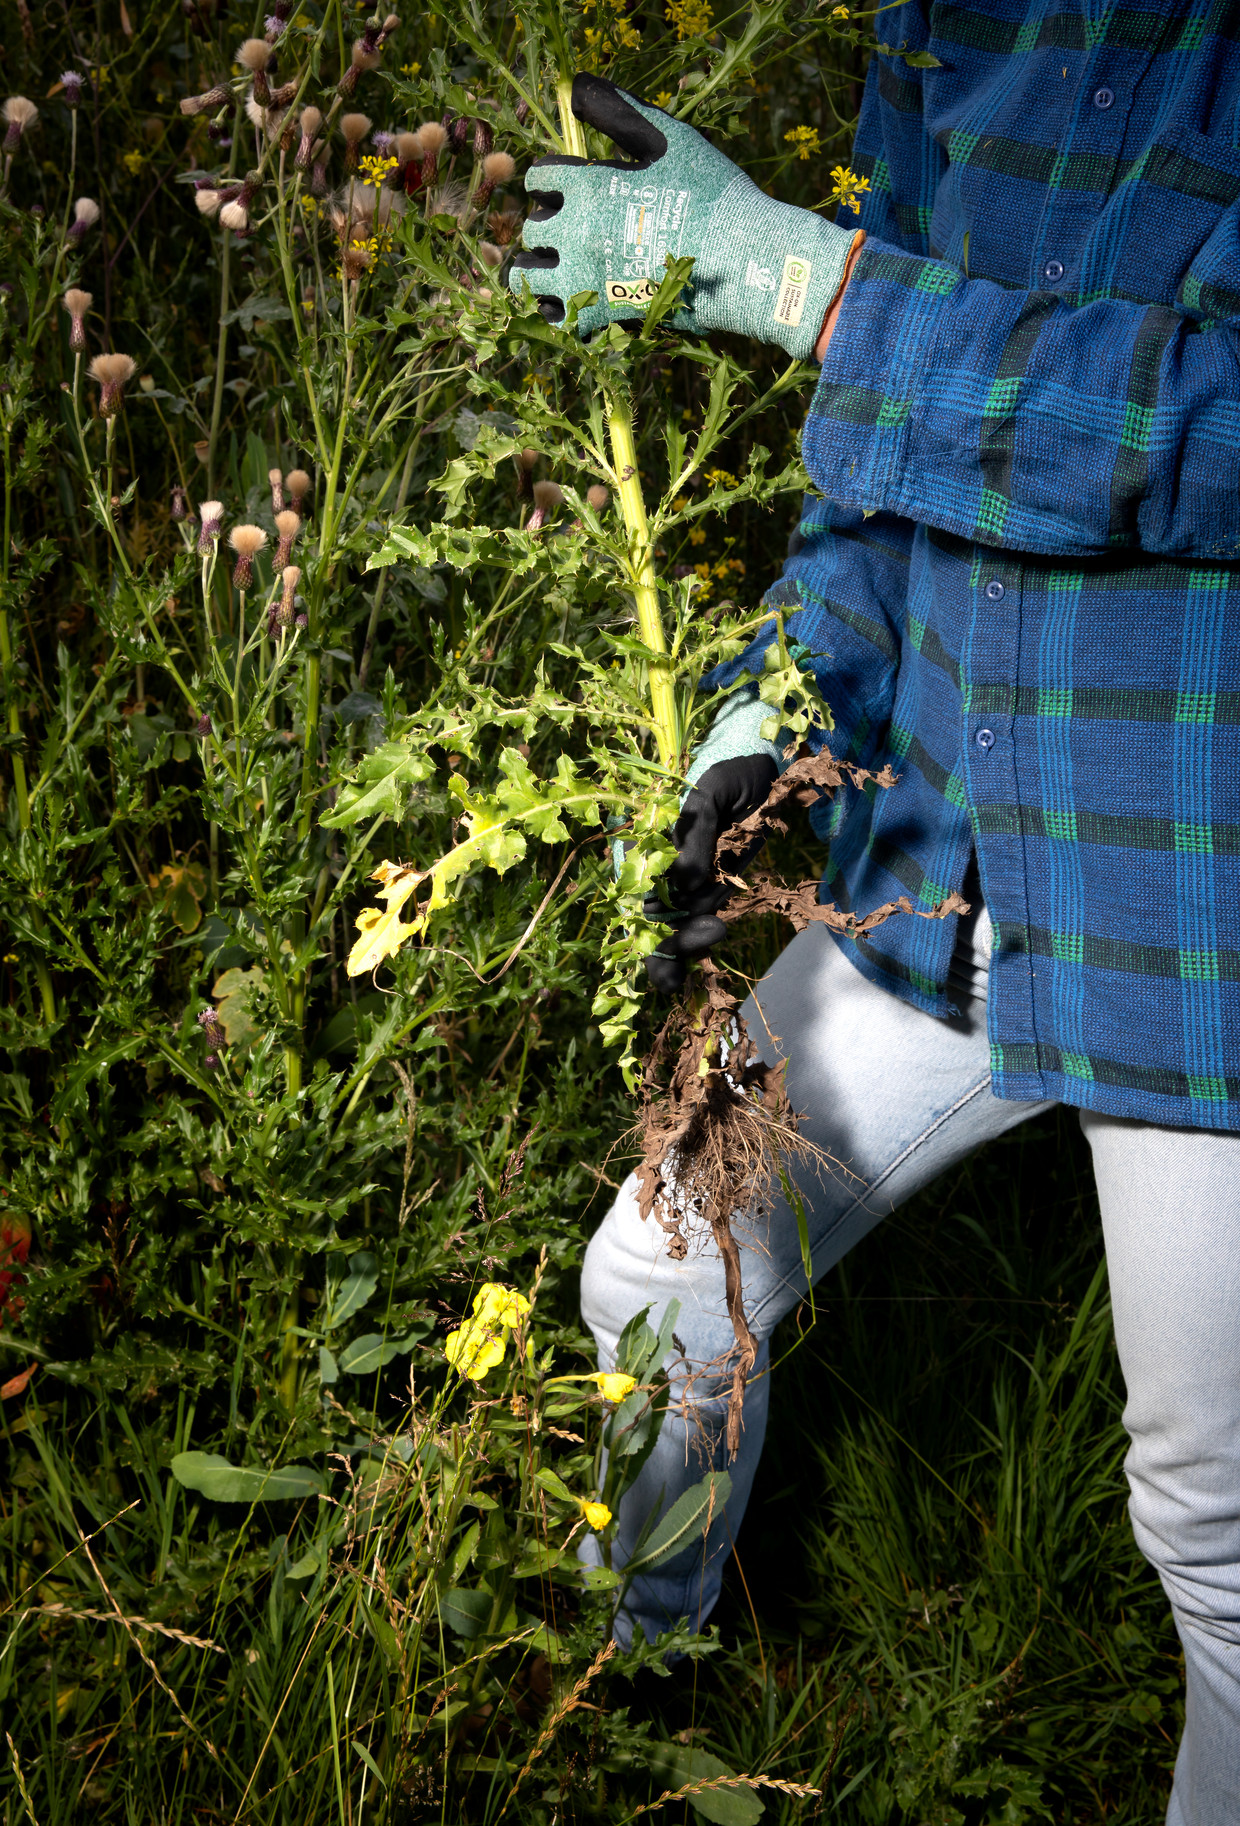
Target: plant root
pixel 721 1133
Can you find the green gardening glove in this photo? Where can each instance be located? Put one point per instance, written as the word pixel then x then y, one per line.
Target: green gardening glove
pixel 761 268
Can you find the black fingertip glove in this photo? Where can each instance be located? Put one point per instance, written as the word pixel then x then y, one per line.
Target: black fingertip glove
pixel 726 793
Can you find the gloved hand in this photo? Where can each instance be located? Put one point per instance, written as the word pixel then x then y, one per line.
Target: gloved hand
pixel 725 793
pixel 762 268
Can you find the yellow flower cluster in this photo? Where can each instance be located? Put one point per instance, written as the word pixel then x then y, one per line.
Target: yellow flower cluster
pixel 374 169
pixel 613 32
pixel 479 1345
pixel 411 70
pixel 689 18
pixel 847 188
pixel 806 141
pixel 721 478
pixel 724 570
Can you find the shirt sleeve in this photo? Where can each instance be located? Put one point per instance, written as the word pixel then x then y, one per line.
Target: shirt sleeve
pixel 1012 418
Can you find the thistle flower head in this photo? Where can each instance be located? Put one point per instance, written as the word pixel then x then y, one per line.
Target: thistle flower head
pixel 503 226
pixel 236 216
pixel 203 726
pixel 180 505
pixel 276 481
pixel 597 497
pixel 207 201
pixel 245 541
pixel 112 372
pixel 77 303
pixel 434 137
pixel 497 168
pixel 483 139
pixel 285 611
pixel 310 122
pixel 297 482
pixel 354 128
pixel 85 214
pixel 254 54
pixel 364 56
pixel 208 101
pixel 72 83
pixel 547 497
pixel 490 255
pixel 408 148
pixel 20 115
pixel 210 515
pixel 268 120
pixel 288 520
pixel 212 1029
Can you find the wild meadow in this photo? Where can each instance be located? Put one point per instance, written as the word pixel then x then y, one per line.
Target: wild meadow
pixel 349 610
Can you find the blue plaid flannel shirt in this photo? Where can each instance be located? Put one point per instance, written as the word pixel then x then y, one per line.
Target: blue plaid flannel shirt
pixel 1018 574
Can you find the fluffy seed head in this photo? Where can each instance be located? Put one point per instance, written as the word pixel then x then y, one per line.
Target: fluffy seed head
pixel 210 514
pixel 433 135
pixel 408 148
pixel 363 58
pixel 547 495
pixel 287 523
pixel 77 303
pixel 236 216
pixel 111 372
pixel 254 54
pixel 85 214
pixel 504 225
pixel 498 167
pixel 19 115
pixel 246 540
pixel 298 484
pixel 311 121
pixel 489 254
pixel 597 497
pixel 207 202
pixel 354 128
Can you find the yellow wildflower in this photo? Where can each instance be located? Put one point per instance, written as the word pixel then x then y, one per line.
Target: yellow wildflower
pixel 691 18
pixel 133 161
pixel 840 12
pixel 697 536
pixel 474 1349
pixel 411 70
pixel 847 187
pixel 613 1384
pixel 806 140
pixel 721 478
pixel 597 1514
pixel 664 98
pixel 495 1304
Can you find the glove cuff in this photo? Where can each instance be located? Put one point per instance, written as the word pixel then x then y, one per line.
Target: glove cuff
pixel 736 731
pixel 794 266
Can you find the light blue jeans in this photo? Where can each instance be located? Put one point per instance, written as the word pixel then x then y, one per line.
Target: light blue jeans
pixel 896 1097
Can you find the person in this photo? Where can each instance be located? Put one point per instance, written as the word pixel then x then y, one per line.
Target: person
pixel 1016 579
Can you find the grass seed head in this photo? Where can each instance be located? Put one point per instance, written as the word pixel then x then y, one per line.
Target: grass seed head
pixel 112 372
pixel 20 115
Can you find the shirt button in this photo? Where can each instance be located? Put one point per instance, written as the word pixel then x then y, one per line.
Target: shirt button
pixel 995 591
pixel 1053 270
pixel 1103 98
pixel 985 739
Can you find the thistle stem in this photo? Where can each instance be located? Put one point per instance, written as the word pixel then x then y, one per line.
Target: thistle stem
pixel 633 509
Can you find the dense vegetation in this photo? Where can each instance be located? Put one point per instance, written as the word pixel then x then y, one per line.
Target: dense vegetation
pixel 268 1549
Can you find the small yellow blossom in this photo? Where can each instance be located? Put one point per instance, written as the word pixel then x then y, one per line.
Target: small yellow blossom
pixel 840 12
pixel 806 141
pixel 614 1385
pixel 133 161
pixel 411 70
pixel 374 169
pixel 495 1304
pixel 691 18
pixel 664 98
pixel 847 187
pixel 474 1349
pixel 697 536
pixel 597 1514
pixel 721 478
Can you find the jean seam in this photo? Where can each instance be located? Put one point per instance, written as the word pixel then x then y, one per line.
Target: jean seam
pixel 932 1128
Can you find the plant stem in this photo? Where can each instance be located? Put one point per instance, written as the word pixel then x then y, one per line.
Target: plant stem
pixel 633 509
